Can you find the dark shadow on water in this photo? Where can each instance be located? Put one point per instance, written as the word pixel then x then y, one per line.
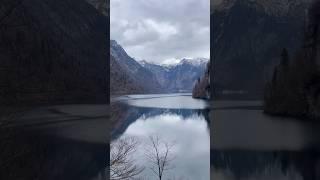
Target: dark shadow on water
pixel 35 155
pixel 248 144
pixel 246 164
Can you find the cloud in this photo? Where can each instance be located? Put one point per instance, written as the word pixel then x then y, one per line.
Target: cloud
pixel 158 31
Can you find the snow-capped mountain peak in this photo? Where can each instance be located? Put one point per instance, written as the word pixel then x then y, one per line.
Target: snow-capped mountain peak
pixel 143 62
pixel 190 61
pixel 194 61
pixel 179 75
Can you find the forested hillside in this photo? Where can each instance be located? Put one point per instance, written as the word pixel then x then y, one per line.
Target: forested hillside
pixel 52 51
pixel 295 86
pixel 247 37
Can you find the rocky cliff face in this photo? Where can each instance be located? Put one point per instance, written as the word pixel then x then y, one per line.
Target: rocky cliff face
pixel 52 51
pixel 295 86
pixel 127 75
pixel 247 38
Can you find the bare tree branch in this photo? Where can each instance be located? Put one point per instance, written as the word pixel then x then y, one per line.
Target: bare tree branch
pixel 159 154
pixel 121 163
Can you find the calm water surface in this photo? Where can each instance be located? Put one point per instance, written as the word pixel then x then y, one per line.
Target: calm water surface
pixel 248 144
pixel 175 118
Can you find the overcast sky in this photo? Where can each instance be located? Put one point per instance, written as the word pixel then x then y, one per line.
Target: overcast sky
pixel 161 30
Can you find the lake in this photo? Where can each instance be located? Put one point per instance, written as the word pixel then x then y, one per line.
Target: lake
pixel 56 142
pixel 245 142
pixel 248 144
pixel 176 119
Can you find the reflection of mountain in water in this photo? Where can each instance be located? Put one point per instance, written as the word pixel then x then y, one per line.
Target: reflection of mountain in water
pixel 131 114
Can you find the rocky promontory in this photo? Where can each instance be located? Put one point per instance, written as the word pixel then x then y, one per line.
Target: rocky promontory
pixel 202 86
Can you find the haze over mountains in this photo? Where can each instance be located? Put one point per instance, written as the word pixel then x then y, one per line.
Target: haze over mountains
pixel 131 76
pixel 248 38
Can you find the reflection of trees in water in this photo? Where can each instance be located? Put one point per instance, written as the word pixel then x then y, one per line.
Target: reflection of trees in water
pixel 245 164
pixel 123 165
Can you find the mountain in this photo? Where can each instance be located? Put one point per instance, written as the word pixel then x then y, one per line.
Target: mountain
pixel 52 51
pixel 270 7
pixel 127 75
pixel 160 71
pixel 294 89
pixel 101 5
pixel 179 77
pixel 247 37
pixel 131 76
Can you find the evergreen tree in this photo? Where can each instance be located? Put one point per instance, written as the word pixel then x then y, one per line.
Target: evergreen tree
pixel 284 58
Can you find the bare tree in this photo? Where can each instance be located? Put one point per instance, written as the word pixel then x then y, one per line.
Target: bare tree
pixel 121 163
pixel 159 153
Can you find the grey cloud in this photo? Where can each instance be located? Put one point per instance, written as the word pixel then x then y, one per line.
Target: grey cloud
pixel 158 30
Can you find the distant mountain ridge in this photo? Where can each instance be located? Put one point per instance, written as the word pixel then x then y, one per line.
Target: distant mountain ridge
pixel 131 76
pixel 179 77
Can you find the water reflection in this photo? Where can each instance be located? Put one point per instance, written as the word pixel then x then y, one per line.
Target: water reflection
pixel 187 128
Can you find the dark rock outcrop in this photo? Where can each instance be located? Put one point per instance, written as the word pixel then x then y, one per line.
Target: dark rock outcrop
pixel 201 88
pixel 52 51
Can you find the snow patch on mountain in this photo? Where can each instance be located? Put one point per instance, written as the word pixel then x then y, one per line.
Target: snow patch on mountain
pixel 191 61
pixel 179 76
pixel 195 61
